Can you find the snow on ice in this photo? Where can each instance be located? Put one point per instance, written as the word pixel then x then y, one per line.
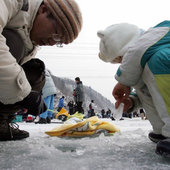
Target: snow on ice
pixel 127 150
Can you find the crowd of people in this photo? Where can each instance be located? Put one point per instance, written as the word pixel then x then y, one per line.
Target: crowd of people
pixel 49 92
pixel 143 57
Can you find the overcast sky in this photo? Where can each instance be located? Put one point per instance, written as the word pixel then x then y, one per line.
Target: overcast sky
pixel 81 57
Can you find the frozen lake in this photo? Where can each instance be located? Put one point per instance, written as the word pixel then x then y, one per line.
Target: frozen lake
pixel 130 149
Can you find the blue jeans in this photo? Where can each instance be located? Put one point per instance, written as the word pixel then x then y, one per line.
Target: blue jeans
pixel 49 101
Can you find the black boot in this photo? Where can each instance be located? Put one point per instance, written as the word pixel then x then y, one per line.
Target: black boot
pixel 163 148
pixel 11 131
pixel 42 121
pixel 156 137
pixel 48 120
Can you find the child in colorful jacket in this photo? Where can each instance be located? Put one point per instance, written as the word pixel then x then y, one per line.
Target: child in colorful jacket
pixel 145 66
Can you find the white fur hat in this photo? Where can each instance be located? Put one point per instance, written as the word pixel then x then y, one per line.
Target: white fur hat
pixel 115 40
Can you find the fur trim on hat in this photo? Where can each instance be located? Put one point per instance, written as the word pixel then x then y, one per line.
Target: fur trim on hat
pixel 68 16
pixel 115 40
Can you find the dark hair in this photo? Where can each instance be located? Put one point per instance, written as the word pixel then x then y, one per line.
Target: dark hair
pixel 63 97
pixel 77 79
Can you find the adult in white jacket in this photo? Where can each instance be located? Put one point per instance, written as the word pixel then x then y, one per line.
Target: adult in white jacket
pixel 24 25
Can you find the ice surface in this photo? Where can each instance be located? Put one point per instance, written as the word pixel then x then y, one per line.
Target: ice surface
pixel 129 150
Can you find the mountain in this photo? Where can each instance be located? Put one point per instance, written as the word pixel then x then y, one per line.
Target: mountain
pixel 65 88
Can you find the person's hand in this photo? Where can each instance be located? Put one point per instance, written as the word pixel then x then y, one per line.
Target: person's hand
pixel 34 103
pixel 128 103
pixel 120 92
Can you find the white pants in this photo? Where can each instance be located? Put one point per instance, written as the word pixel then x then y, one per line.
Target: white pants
pixel 154 105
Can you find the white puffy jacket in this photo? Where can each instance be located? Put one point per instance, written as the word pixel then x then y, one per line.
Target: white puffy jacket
pixel 14 85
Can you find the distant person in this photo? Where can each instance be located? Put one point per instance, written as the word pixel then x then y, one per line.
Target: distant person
pixel 135 114
pixel 61 103
pixel 79 95
pixel 91 105
pixel 144 58
pixel 108 113
pixel 142 113
pixel 103 113
pixel 71 107
pixel 91 109
pixel 48 93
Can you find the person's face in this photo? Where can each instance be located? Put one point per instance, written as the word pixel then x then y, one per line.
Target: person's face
pixel 45 28
pixel 76 81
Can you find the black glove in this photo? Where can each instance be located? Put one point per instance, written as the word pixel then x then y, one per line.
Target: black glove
pixel 35 73
pixel 34 103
